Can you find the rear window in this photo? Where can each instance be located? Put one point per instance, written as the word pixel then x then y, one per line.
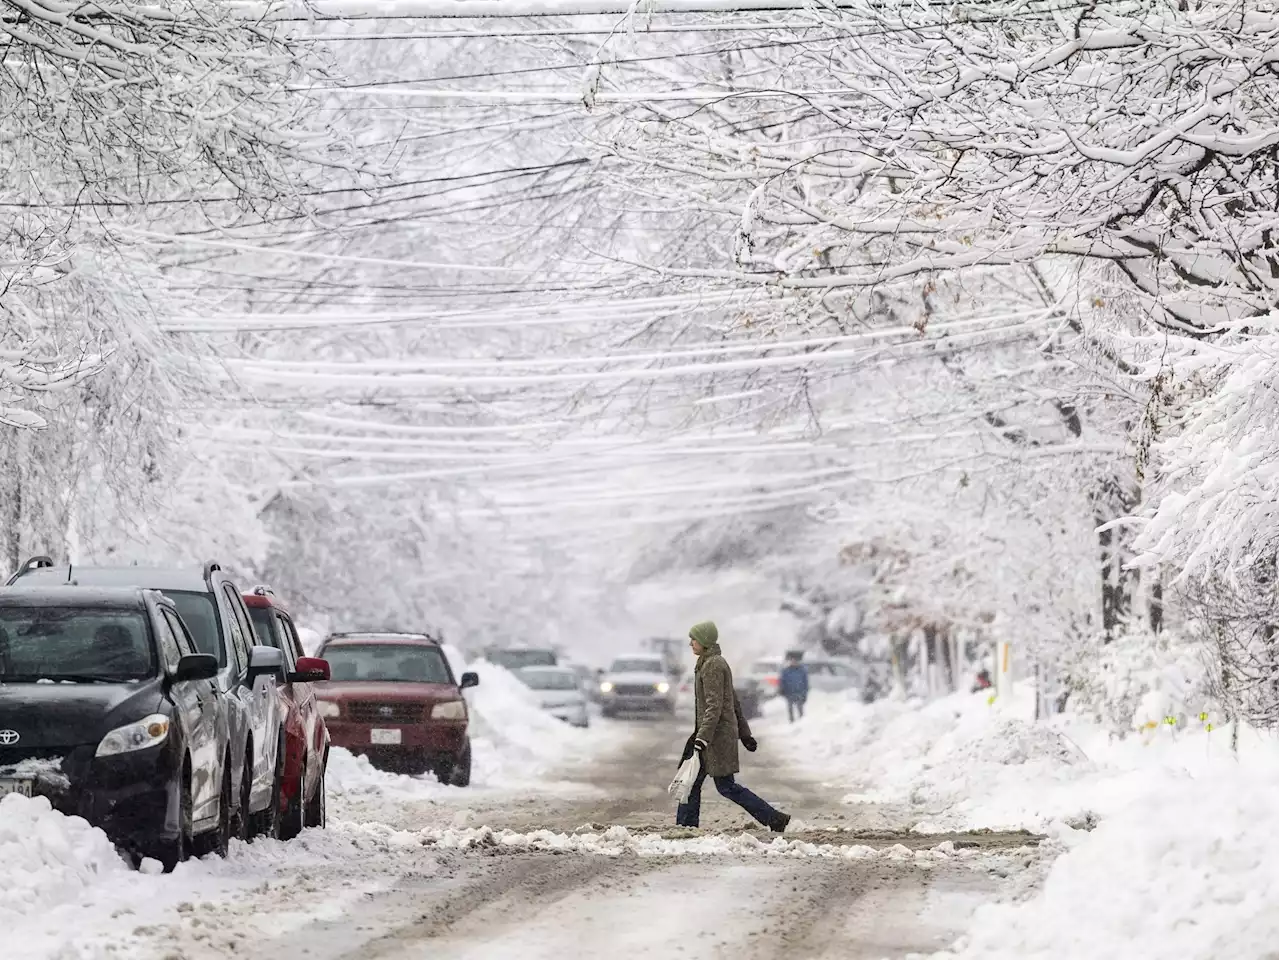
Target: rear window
pixel 201 617
pixel 766 666
pixel 636 665
pixel 404 662
pixel 74 643
pixel 549 680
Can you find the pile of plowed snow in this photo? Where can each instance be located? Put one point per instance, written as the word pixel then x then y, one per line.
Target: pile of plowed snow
pixel 47 858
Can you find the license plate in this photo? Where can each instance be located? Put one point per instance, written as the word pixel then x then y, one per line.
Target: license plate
pixel 377 735
pixel 8 786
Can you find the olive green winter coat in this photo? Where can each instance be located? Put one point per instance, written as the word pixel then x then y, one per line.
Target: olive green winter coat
pixel 719 717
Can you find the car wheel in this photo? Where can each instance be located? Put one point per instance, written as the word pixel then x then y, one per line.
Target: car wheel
pixel 461 775
pixel 317 810
pixel 170 853
pixel 291 821
pixel 242 826
pixel 268 822
pixel 218 840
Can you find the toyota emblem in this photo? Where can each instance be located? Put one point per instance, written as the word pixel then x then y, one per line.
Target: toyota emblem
pixel 8 737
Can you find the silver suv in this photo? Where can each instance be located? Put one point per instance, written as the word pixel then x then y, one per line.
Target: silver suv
pixel 210 605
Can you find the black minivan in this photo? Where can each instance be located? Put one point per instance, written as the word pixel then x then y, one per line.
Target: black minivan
pixel 108 710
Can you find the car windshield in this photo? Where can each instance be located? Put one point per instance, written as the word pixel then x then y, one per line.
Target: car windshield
pixel 636 665
pixel 549 679
pixel 404 662
pixel 518 659
pixel 74 643
pixel 201 617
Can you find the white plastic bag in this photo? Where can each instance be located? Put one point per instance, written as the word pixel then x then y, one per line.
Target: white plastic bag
pixel 682 785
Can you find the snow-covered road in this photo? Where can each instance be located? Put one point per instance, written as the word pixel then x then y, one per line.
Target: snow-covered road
pixel 590 865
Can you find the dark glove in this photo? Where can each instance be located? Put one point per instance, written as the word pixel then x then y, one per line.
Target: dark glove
pixel 750 744
pixel 699 745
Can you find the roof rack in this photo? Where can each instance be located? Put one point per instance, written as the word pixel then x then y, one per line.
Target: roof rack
pixel 31 563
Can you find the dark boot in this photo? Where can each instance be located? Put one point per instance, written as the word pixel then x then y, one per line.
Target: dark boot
pixel 779 823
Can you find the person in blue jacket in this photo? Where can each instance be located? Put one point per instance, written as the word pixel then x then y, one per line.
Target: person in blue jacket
pixel 793 684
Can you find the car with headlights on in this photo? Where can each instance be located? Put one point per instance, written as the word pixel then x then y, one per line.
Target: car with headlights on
pixel 109 710
pixel 637 683
pixel 393 698
pixel 559 692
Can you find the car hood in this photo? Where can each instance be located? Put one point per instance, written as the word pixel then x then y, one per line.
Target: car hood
pixel 63 715
pixel 386 691
pixel 636 678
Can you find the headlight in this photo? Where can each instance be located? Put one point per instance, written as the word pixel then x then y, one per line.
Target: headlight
pixel 147 732
pixel 606 687
pixel 662 687
pixel 327 708
pixel 449 710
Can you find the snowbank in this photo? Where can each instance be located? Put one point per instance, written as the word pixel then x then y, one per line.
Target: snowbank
pixel 49 859
pixel 1167 838
pixel 1186 867
pixel 956 763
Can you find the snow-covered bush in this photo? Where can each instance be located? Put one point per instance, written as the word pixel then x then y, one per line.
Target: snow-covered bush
pixel 1138 678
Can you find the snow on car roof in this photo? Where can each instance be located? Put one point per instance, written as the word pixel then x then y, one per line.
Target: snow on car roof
pixel 402 638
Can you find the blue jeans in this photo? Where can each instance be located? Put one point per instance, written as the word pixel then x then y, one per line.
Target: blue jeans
pixel 688 814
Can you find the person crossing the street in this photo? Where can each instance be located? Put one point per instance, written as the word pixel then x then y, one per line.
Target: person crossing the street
pixel 720 725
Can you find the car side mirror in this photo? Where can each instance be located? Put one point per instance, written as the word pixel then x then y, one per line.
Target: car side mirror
pixel 310 670
pixel 469 679
pixel 195 666
pixel 265 661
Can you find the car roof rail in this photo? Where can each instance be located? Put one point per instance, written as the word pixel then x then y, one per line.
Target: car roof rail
pixel 31 563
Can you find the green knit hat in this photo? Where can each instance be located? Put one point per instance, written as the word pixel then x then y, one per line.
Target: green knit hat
pixel 705 633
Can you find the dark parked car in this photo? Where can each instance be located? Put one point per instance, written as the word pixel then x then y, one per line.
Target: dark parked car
pixel 306 738
pixel 393 698
pixel 218 621
pixel 108 710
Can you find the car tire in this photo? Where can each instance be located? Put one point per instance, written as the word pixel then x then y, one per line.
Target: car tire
pixel 606 713
pixel 218 840
pixel 292 820
pixel 267 823
pixel 242 822
pixel 460 775
pixel 316 812
pixel 170 853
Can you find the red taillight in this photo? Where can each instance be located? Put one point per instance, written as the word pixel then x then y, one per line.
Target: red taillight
pixel 771 681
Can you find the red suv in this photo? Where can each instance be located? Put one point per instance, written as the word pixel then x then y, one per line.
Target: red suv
pixel 306 739
pixel 393 698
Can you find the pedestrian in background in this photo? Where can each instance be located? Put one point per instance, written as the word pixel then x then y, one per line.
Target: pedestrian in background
pixel 720 725
pixel 793 684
